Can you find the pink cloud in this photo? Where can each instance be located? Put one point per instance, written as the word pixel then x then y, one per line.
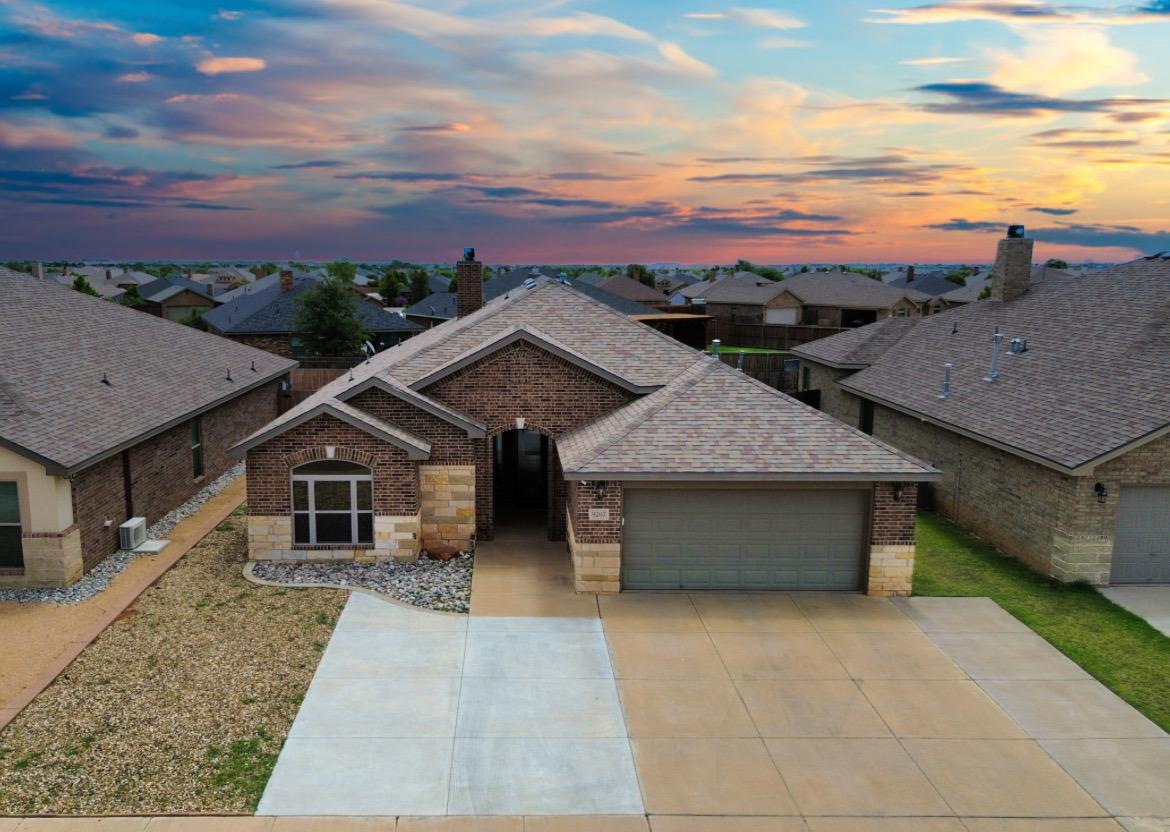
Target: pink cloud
pixel 219 65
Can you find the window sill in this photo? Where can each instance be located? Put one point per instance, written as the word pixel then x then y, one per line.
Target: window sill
pixel 11 571
pixel 324 547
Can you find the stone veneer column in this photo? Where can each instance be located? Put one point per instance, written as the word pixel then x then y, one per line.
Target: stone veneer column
pixel 595 540
pixel 891 540
pixel 447 498
pixel 50 559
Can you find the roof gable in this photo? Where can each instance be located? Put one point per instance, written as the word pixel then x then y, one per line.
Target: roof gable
pixel 474 428
pixel 415 447
pixel 537 338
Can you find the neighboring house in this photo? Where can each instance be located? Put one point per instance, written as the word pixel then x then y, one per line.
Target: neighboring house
pixel 630 289
pixel 694 293
pixel 438 282
pixel 943 293
pixel 661 467
pixel 668 284
pixel 432 310
pixel 265 319
pixel 223 279
pixel 257 285
pixel 1061 456
pixel 107 414
pixel 107 281
pixel 175 298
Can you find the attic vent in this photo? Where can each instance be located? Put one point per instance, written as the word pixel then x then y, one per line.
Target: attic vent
pixel 946 391
pixel 529 283
pixel 1018 346
pixel 993 373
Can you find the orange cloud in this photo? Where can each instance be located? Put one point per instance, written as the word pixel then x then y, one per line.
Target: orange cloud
pixel 220 65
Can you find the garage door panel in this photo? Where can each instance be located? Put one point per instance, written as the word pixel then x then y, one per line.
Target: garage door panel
pixel 1141 539
pixel 743 539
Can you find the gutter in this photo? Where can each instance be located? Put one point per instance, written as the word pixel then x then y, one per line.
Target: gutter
pixel 926 475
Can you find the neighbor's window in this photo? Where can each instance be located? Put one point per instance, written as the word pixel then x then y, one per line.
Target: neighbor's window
pixel 332 502
pixel 11 556
pixel 197 446
pixel 805 378
pixel 900 313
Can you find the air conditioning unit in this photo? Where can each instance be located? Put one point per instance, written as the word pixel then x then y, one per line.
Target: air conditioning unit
pixel 132 533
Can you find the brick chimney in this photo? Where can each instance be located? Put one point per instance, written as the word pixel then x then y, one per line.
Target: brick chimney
pixel 469 292
pixel 909 274
pixel 38 271
pixel 286 280
pixel 1013 265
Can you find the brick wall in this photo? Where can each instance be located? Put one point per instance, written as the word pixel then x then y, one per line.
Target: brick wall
pixel 893 514
pixel 275 344
pixel 161 472
pixel 595 545
pixel 553 396
pixel 834 401
pixel 395 476
pixel 450 445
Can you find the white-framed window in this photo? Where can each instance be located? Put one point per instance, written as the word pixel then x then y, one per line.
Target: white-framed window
pixel 332 502
pixel 901 313
pixel 197 447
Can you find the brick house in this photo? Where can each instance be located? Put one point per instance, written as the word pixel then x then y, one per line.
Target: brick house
pixel 829 299
pixel 265 318
pixel 660 467
pixel 175 298
pixel 1053 438
pixel 106 414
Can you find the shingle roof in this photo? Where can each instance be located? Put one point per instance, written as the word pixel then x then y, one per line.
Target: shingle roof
pixel 729 424
pixel 1092 381
pixel 696 290
pixel 847 290
pixel 714 422
pixel 254 287
pixel 271 311
pixel 159 290
pixel 440 305
pixel 630 289
pixel 743 288
pixel 857 348
pixel 933 284
pixel 58 344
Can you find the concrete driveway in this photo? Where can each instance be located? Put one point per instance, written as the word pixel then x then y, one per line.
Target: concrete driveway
pixel 1149 602
pixel 816 711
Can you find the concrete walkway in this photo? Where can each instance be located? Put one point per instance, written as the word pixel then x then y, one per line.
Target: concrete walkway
pixel 417 713
pixel 1149 602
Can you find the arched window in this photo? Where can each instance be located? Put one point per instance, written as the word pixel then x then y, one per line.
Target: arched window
pixel 332 502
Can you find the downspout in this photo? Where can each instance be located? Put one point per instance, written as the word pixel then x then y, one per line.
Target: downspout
pixel 127 484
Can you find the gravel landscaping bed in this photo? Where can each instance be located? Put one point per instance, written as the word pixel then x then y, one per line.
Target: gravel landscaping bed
pixel 100 577
pixel 433 584
pixel 182 704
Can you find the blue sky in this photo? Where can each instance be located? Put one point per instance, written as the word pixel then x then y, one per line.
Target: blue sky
pixel 582 131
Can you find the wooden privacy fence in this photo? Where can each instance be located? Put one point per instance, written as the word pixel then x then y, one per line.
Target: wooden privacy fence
pixel 769 336
pixel 305 381
pixel 773 369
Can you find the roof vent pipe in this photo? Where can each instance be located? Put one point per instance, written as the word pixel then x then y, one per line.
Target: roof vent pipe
pixel 994 373
pixel 946 391
pixel 715 343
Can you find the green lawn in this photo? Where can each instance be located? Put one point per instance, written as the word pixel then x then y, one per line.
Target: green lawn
pixel 748 350
pixel 1121 650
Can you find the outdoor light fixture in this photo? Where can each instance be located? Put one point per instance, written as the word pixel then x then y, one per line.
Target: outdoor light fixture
pixel 520 422
pixel 599 490
pixel 1101 491
pixel 898 489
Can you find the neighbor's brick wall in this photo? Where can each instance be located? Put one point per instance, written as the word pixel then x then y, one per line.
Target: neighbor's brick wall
pixel 1008 501
pixel 161 472
pixel 553 396
pixel 834 401
pixel 269 467
pixel 275 344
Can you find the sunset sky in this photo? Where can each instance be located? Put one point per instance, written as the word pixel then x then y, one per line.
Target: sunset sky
pixel 582 131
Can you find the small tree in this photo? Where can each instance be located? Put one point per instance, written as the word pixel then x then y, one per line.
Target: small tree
pixel 420 285
pixel 326 318
pixel 1054 263
pixel 194 319
pixel 342 270
pixel 82 285
pixel 132 298
pixel 637 271
pixel 391 284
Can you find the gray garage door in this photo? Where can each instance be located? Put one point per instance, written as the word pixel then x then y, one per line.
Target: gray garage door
pixel 743 539
pixel 1141 541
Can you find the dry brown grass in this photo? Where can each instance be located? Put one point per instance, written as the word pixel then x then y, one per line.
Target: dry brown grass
pixel 181 705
